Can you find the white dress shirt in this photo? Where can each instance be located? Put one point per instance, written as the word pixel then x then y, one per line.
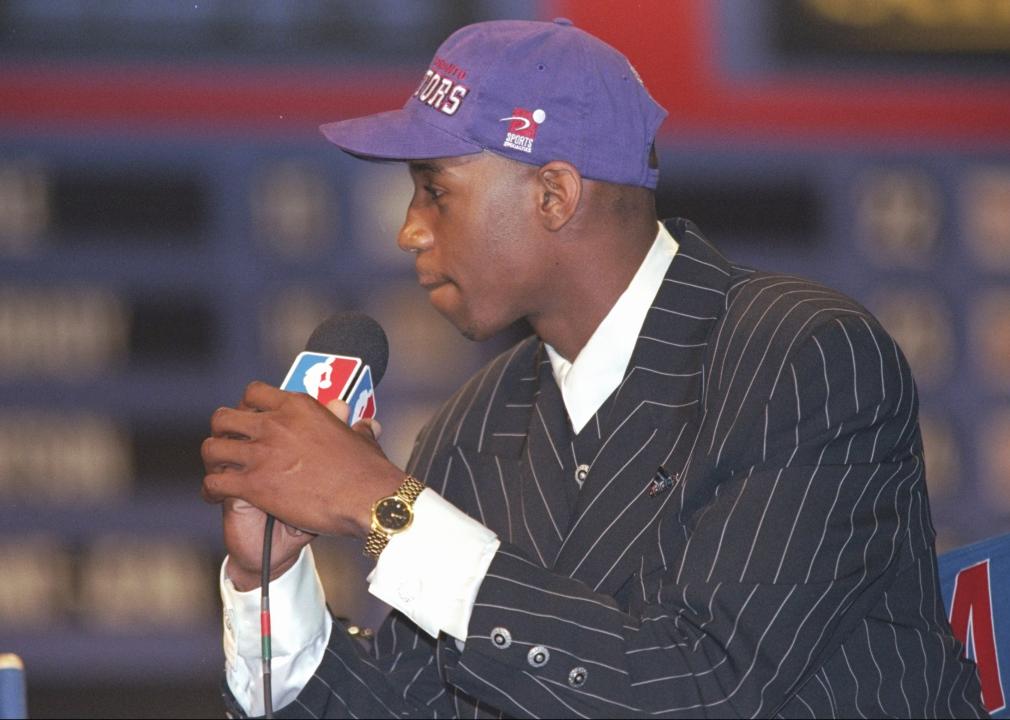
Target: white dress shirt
pixel 432 572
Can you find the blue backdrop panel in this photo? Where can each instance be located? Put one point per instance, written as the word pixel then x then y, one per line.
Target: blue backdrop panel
pixel 975 581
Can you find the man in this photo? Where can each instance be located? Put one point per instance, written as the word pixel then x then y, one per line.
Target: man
pixel 697 490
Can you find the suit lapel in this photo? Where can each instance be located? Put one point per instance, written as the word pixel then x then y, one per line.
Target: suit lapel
pixel 522 448
pixel 545 504
pixel 650 421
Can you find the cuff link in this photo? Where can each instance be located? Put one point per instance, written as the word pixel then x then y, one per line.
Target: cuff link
pixel 409 590
pixel 538 656
pixel 577 677
pixel 501 638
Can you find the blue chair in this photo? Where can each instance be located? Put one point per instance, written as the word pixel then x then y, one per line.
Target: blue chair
pixel 975 582
pixel 12 687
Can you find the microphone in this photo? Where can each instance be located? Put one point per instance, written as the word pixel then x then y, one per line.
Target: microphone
pixel 345 358
pixel 354 334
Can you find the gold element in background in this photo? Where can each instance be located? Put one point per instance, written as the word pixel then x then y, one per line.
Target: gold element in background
pixel 898 214
pixel 63 457
pixel 990 334
pixel 986 217
pixel 66 333
pixel 37 587
pixel 920 321
pixel 294 210
pixel 134 583
pixel 994 453
pixel 922 25
pixel 24 207
pixel 944 468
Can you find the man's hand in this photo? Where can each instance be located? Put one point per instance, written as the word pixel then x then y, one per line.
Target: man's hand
pixel 287 455
pixel 243 537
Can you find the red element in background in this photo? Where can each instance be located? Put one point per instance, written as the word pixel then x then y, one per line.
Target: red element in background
pixel 971 613
pixel 519 127
pixel 672 44
pixel 678 59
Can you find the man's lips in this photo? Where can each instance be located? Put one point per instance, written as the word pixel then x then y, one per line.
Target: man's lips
pixel 430 281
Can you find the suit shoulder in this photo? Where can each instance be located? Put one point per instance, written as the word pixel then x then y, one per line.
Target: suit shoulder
pixel 765 304
pixel 770 317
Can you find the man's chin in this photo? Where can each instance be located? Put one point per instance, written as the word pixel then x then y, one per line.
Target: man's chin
pixel 468 327
pixel 475 331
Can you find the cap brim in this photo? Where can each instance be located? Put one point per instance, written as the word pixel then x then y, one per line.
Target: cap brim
pixel 395 135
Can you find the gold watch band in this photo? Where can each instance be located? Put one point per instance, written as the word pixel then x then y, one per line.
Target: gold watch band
pixel 410 489
pixel 378 538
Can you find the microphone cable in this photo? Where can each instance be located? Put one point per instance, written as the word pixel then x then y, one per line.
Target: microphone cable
pixel 268 696
pixel 349 334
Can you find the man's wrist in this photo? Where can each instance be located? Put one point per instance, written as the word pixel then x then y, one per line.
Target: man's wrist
pixel 246 580
pixel 392 515
pixel 387 486
pixel 433 571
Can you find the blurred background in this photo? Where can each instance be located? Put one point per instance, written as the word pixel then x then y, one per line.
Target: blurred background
pixel 172 225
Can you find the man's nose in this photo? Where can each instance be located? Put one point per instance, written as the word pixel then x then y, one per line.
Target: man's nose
pixel 415 235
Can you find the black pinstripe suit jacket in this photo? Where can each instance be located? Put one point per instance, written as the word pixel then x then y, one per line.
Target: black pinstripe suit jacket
pixel 787 569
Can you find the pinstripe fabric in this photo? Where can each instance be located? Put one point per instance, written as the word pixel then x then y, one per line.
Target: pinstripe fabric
pixel 789 571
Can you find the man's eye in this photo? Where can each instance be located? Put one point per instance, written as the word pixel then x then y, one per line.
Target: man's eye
pixel 434 192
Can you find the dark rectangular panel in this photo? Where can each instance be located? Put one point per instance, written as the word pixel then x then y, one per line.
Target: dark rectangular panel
pixel 391 31
pixel 128 205
pixel 174 331
pixel 781 211
pixel 168 454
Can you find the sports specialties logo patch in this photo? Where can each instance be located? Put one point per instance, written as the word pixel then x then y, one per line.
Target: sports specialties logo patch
pixel 522 129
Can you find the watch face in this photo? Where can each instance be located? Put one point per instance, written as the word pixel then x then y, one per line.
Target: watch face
pixel 393 514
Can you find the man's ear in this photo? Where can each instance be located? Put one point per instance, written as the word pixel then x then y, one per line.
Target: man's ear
pixel 560 190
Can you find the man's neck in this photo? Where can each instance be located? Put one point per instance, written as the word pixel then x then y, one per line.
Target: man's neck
pixel 596 271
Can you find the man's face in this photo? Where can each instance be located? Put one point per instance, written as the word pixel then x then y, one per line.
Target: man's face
pixel 471 227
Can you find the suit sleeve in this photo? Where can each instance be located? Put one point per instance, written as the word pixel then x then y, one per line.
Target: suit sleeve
pixel 399 679
pixel 804 533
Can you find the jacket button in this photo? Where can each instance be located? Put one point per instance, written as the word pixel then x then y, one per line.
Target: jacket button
pixel 577 677
pixel 501 638
pixel 538 656
pixel 581 473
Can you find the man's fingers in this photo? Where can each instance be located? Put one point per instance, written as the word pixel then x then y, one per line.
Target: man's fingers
pixel 234 504
pixel 221 485
pixel 295 532
pixel 339 408
pixel 369 427
pixel 223 453
pixel 260 396
pixel 228 422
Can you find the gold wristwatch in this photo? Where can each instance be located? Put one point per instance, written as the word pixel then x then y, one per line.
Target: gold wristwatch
pixel 391 515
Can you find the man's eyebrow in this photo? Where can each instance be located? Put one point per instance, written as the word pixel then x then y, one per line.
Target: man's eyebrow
pixel 420 166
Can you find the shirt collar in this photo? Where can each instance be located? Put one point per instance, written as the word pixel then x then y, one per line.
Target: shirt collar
pixel 599 367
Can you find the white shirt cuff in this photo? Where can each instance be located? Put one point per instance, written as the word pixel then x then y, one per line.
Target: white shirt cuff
pixel 300 629
pixel 432 571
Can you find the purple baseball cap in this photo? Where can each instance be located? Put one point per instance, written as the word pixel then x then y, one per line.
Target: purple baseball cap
pixel 529 91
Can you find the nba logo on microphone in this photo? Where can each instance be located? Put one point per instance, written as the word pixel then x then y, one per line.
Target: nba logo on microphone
pixel 362 398
pixel 324 377
pixel 334 377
